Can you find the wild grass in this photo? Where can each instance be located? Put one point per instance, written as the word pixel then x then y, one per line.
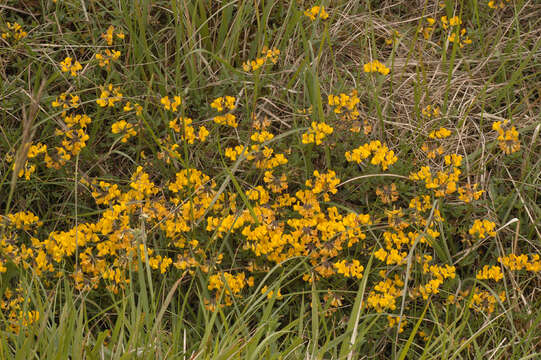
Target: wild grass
pixel 181 271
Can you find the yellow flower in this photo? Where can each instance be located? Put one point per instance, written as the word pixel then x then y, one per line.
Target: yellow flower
pixel 23 220
pixel 222 103
pixel 266 55
pixel 498 4
pixel 381 154
pixel 171 105
pixel 467 193
pixel 270 294
pixel 395 35
pixel 276 183
pixel 316 11
pixel 520 262
pixel 484 301
pixel 317 133
pixel 126 129
pixel 427 30
pixel 376 66
pixel 262 136
pixel 507 136
pixel 490 272
pixel 441 133
pixel 354 269
pixel 394 320
pixel 62 101
pixel 108 35
pixel 69 66
pixel 482 228
pixel 324 184
pixel 385 294
pixel 106 57
pixel 15 31
pixel 387 194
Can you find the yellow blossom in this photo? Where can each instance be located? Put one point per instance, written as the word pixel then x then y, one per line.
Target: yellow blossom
pixel 126 129
pixel 482 228
pixel 316 11
pixel 317 133
pixel 490 272
pixel 376 66
pixel 68 65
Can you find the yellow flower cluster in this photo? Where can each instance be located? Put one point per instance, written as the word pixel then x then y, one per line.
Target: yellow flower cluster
pixel 499 4
pixel 68 65
pixel 124 128
pixel 443 182
pixel 484 301
pixel 376 66
pixel 391 257
pixel 315 12
pixel 22 220
pixel 458 34
pixel 353 269
pixel 11 226
pixel 221 103
pixel 454 21
pixel 188 131
pixel 171 105
pixel 433 148
pixel 346 107
pixel 490 273
pixel 109 96
pixel 263 157
pixel 392 39
pixel 385 294
pixel 381 155
pixel 103 192
pixel 468 193
pixel 345 104
pixel 394 320
pixel 113 238
pixel 62 101
pixel 522 262
pixel 226 103
pixel 75 137
pixel 428 28
pixel 270 293
pixel 507 136
pixel 34 150
pixel 267 55
pixel 14 31
pixel 108 36
pixel 233 284
pixel 106 57
pixel 323 184
pixel 431 111
pixel 13 305
pixel 261 137
pixel 159 262
pixel 316 133
pixel 438 275
pixel 441 133
pixel 388 194
pixel 482 228
pixel 129 107
pixel 275 183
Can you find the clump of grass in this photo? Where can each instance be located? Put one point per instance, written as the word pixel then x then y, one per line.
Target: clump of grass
pixel 241 180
